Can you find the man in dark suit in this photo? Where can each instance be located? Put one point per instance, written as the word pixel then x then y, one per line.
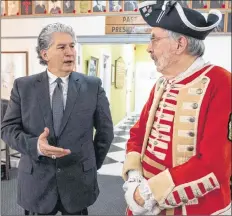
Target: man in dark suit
pixel 50 121
pixel 99 7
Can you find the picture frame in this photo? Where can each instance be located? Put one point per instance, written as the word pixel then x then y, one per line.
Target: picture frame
pixel 93 66
pixel 120 73
pixel 54 7
pixel 229 22
pixel 13 8
pixel 40 7
pixel 115 6
pixel 130 5
pixel 83 6
pixel 14 65
pixel 200 4
pixel 112 74
pixel 26 7
pixel 3 8
pixel 217 4
pixel 68 6
pixel 99 6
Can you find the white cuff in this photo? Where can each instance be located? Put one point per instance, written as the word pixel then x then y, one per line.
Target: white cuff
pixel 38 149
pixel 146 194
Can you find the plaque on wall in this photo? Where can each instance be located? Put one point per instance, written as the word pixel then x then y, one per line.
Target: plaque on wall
pixel 68 6
pixel 40 7
pixel 83 6
pixel 120 69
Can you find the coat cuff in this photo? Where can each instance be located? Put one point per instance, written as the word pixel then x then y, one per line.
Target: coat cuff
pixel 161 186
pixel 132 162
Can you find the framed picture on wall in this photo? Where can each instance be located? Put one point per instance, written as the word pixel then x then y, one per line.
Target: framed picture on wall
pixel 3 8
pixel 98 6
pixel 13 65
pixel 26 7
pixel 93 66
pixel 199 4
pixel 217 4
pixel 40 7
pixel 229 22
pixel 115 6
pixel 184 3
pixel 54 7
pixel 130 5
pixel 83 6
pixel 12 8
pixel 68 6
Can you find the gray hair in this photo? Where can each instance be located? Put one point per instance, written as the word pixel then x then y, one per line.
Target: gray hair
pixel 45 37
pixel 195 47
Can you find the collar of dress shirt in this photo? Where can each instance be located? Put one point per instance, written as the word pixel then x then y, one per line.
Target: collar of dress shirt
pixel 52 78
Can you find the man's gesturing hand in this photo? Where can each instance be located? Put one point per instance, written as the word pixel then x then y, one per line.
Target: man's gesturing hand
pixel 48 150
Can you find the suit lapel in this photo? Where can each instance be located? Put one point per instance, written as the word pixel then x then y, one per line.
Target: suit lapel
pixel 42 93
pixel 73 93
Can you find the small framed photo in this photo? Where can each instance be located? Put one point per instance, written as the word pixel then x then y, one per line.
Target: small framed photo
pixel 93 66
pixel 217 4
pixel 130 5
pixel 68 6
pixel 229 22
pixel 3 8
pixel 40 7
pixel 199 4
pixel 98 6
pixel 26 7
pixel 184 3
pixel 54 7
pixel 13 8
pixel 115 6
pixel 112 74
pixel 83 6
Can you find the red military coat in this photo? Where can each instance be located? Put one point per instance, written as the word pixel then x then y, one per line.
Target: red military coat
pixel 180 143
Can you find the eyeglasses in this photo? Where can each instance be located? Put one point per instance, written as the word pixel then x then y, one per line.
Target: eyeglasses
pixel 155 40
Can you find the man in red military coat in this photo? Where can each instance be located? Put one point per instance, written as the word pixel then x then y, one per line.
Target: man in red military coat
pixel 178 157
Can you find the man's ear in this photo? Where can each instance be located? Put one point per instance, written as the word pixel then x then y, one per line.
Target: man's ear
pixel 182 44
pixel 43 54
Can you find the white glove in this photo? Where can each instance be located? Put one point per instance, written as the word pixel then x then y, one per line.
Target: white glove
pixel 129 196
pixel 133 176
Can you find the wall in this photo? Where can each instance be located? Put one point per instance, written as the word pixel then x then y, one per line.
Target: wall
pixel 117 96
pixel 21 34
pixel 218 52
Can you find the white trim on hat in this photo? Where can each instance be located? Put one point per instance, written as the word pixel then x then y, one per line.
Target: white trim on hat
pixel 146 3
pixel 190 25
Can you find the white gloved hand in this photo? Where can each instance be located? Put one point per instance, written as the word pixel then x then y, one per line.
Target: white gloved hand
pixel 129 196
pixel 133 176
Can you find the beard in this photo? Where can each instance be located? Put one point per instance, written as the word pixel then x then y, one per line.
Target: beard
pixel 164 61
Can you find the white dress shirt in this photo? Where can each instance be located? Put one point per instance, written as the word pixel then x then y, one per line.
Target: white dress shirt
pixel 52 85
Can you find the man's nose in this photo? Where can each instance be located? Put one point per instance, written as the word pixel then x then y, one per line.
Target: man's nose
pixel 69 51
pixel 149 48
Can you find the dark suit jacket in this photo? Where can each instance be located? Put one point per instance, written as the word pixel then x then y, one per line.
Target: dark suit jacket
pixel 74 177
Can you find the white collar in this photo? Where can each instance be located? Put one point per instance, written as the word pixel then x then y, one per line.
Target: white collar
pixel 52 78
pixel 196 66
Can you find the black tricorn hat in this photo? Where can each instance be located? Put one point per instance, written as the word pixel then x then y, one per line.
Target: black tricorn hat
pixel 170 15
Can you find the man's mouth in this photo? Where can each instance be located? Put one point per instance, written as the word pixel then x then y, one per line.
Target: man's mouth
pixel 68 62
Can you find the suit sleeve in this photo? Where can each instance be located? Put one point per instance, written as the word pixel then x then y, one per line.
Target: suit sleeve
pixel 134 144
pixel 210 167
pixel 12 129
pixel 103 125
